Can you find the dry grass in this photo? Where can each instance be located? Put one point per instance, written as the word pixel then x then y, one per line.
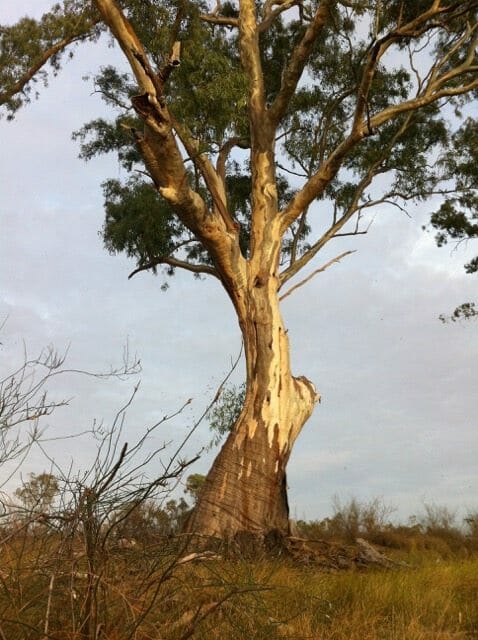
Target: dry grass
pixel 434 601
pixel 143 595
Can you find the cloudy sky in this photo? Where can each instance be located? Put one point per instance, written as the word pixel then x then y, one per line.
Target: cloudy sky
pixel 398 418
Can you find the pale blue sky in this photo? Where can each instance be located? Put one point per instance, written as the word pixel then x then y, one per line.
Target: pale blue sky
pixel 398 417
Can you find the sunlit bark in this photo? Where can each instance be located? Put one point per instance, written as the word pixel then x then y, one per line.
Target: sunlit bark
pixel 246 487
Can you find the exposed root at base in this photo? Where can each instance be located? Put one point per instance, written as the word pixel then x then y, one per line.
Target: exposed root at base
pixel 325 555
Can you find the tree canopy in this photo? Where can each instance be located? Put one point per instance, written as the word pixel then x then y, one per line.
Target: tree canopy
pixel 401 70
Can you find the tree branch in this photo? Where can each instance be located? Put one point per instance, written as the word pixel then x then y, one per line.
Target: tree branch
pixel 424 100
pixel 251 61
pixel 296 238
pixel 225 150
pixel 319 181
pixel 413 29
pixel 271 14
pixel 314 273
pixel 223 20
pixel 175 262
pixel 293 72
pixel 263 176
pixel 351 210
pixel 435 90
pixel 211 177
pixel 173 62
pixel 126 37
pixel 327 119
pixel 42 60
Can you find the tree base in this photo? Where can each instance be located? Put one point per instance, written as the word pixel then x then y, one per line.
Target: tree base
pixel 322 554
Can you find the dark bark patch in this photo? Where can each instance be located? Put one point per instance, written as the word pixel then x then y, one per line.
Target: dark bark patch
pixel 275 542
pixel 248 545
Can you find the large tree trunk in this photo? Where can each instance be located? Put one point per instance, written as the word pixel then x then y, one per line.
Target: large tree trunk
pixel 246 487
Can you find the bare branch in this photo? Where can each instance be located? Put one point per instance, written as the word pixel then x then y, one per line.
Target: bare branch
pixel 126 37
pixel 211 177
pixel 292 173
pixel 173 62
pixel 352 209
pixel 425 99
pixel 314 273
pixel 158 146
pixel 175 262
pixel 271 14
pixel 293 72
pixel 435 90
pixel 223 20
pixel 225 150
pixel 295 241
pixel 413 29
pixel 164 161
pixel 327 120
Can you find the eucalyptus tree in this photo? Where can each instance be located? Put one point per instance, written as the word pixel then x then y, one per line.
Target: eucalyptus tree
pixel 256 133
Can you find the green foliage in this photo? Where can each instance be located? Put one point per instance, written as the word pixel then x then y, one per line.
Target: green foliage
pixel 138 222
pixel 225 411
pixel 208 95
pixel 417 155
pixel 465 311
pixel 457 217
pixel 194 485
pixel 23 47
pixel 275 50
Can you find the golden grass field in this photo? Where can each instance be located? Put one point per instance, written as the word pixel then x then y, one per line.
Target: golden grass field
pixel 144 594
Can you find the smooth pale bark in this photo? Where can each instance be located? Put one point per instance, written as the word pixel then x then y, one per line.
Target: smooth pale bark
pixel 246 487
